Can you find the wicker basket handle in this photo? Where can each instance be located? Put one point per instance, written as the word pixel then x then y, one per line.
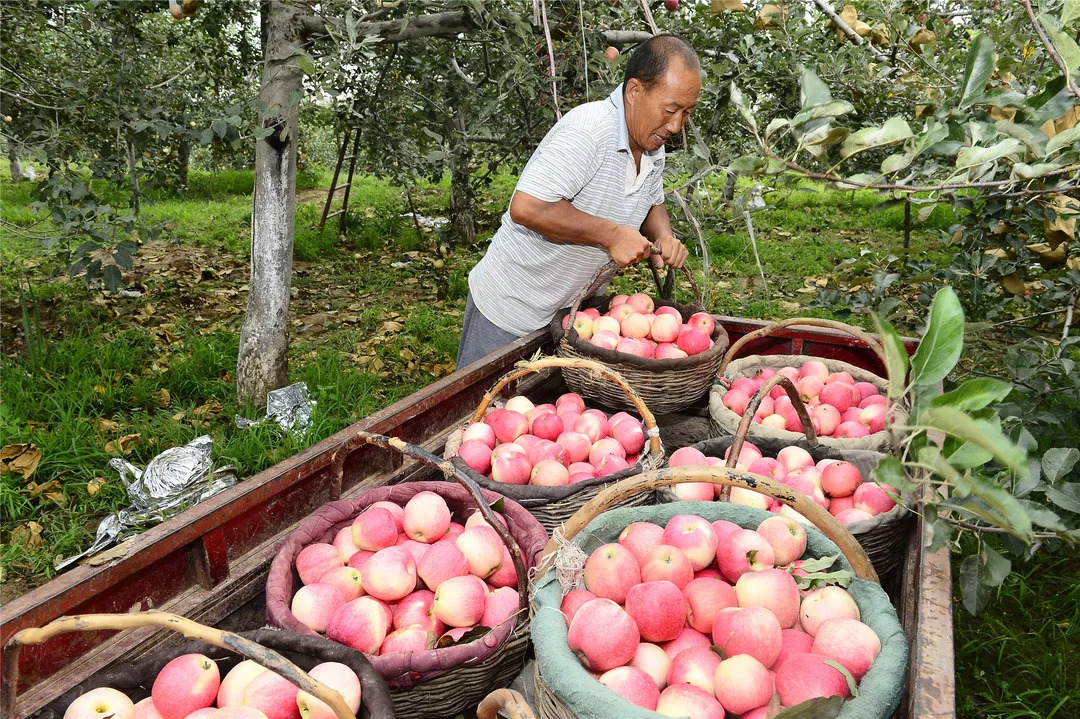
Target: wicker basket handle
pixel 526 368
pixel 855 332
pixel 604 274
pixel 504 700
pixel 420 454
pixel 751 410
pixel 610 496
pixel 268 658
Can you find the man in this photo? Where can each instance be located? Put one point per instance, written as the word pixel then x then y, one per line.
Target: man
pixel 592 193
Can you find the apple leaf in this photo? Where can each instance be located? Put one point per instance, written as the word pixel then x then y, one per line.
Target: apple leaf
pixel 890 471
pixel 977 70
pixel 953 422
pixel 894 130
pixel 498 505
pixel 975 156
pixel 816 708
pixel 896 358
pixel 852 686
pixel 1058 462
pixel 940 347
pixel 974 394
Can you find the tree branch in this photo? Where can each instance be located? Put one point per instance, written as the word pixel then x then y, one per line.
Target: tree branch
pixel 855 37
pixel 440 24
pixel 551 58
pixel 1050 48
pixel 626 37
pixel 28 101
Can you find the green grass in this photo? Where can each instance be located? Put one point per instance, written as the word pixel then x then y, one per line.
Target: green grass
pixel 1018 657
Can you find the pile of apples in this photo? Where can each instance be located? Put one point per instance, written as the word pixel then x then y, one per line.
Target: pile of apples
pixel 551 445
pixel 697 619
pixel 399 578
pixel 190 687
pixel 838 406
pixel 834 484
pixel 634 326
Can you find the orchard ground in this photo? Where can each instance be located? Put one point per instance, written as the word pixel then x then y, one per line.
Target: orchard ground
pixel 86 375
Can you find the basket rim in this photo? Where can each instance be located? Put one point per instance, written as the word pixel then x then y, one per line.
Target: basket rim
pixel 621 359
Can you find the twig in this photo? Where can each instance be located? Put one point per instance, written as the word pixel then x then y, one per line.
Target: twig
pixel 993 530
pixel 1068 324
pixel 1050 48
pixel 28 101
pixel 649 17
pixel 415 217
pixel 753 243
pixel 855 37
pixel 551 58
pixel 701 241
pixel 461 73
pixel 174 77
pixel 1029 317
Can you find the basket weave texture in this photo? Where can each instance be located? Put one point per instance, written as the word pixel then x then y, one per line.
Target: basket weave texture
pixel 564 690
pixel 136 678
pixel 727 421
pixel 884 537
pixel 437 682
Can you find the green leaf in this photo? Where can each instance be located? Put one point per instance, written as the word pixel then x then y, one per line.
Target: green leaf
pixel 1010 514
pixel 977 70
pixel 975 156
pixel 1063 139
pixel 890 471
pixel 1042 516
pixel 940 347
pixel 853 688
pixel 498 505
pixel 1058 462
pixel 829 109
pixel 816 708
pixel 997 566
pixel 812 91
pixel 1068 497
pixel 974 594
pixel 953 422
pixel 1070 11
pixel 896 357
pixel 112 278
pixel 896 162
pixel 1022 171
pixel 1062 41
pixel 894 130
pixel 776 124
pixel 819 565
pixel 974 394
pixel 744 109
pixel 968 456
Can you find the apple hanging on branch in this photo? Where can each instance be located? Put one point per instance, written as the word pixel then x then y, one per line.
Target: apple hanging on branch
pixel 671 5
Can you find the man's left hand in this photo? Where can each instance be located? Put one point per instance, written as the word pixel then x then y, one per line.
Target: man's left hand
pixel 672 252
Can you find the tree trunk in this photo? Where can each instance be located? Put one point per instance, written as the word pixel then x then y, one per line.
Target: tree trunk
pixel 183 161
pixel 133 171
pixel 462 201
pixel 16 164
pixel 262 364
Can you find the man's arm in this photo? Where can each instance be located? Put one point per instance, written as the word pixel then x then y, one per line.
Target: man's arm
pixel 562 222
pixel 657 227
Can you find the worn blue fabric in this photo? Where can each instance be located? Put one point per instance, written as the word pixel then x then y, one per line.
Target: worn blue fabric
pixel 879 692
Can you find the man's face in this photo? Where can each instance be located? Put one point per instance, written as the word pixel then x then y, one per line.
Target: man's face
pixel 654 116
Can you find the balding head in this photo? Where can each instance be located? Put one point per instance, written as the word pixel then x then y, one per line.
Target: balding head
pixel 650 61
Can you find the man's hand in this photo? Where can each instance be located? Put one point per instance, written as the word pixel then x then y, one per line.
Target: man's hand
pixel 672 253
pixel 628 246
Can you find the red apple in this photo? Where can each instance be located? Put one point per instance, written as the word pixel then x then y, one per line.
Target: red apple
pixel 773 589
pixel 694 537
pixel 654 661
pixel 806 676
pixel 743 551
pixel 186 683
pixel 105 703
pixel 685 700
pixel 849 642
pixel 743 684
pixel 823 604
pixel 632 684
pixel 667 563
pixel 602 635
pixel 658 609
pixel 610 571
pixel 273 695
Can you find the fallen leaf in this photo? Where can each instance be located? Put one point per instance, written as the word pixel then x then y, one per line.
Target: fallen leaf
pixel 29 534
pixel 179 415
pixel 105 425
pixel 35 489
pixel 391 327
pixel 57 497
pixel 20 458
pixel 407 354
pixel 122 445
pixel 99 389
pixel 108 555
pixel 211 407
pixel 95 485
pixel 164 398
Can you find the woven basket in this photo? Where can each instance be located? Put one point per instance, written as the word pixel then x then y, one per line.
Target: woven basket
pixel 289 654
pixel 882 685
pixel 884 537
pixel 554 505
pixel 437 682
pixel 727 421
pixel 665 385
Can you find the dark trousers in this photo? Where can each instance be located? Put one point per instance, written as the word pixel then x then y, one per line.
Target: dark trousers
pixel 479 337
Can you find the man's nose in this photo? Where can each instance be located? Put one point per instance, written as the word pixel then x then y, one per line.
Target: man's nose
pixel 674 126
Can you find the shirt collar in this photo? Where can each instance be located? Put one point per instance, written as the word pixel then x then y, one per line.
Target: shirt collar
pixel 616 99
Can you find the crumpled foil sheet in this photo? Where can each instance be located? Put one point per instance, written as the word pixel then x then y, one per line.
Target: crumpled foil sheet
pixel 291 407
pixel 176 479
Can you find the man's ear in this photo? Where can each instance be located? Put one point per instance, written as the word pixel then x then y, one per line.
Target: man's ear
pixel 634 90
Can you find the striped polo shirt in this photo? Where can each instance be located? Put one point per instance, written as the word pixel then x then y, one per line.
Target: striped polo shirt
pixel 525 278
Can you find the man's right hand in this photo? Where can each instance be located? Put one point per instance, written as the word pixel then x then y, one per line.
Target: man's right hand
pixel 628 246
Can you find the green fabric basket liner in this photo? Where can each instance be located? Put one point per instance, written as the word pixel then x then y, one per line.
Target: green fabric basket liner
pixel 879 691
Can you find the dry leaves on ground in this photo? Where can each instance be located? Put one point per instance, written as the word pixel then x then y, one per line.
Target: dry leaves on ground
pixel 20 458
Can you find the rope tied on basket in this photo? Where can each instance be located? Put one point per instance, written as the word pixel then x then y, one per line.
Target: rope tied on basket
pixel 569 563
